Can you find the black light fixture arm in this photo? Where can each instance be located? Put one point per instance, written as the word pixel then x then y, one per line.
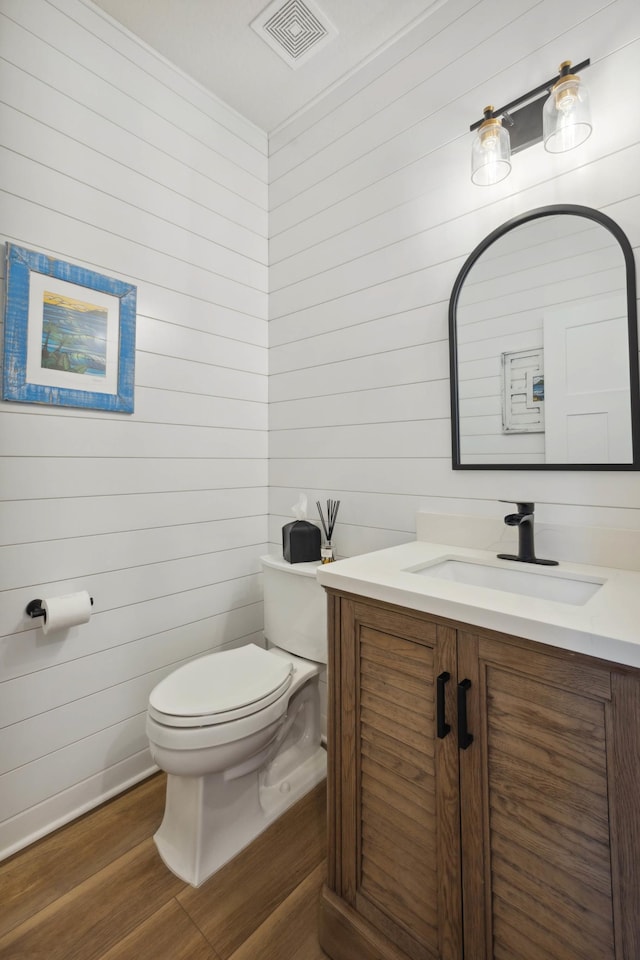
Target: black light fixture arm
pixel 544 87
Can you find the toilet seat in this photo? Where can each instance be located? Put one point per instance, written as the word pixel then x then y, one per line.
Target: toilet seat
pixel 220 687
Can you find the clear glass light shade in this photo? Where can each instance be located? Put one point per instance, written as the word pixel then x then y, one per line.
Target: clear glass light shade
pixel 566 118
pixel 490 154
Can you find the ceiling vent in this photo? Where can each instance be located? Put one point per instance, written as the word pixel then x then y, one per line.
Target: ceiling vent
pixel 295 30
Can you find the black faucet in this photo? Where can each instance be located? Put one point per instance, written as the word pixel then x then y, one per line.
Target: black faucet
pixel 523 520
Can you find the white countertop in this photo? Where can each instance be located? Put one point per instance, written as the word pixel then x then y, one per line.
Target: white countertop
pixel 606 626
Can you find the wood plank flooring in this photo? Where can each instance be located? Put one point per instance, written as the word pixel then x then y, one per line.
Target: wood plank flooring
pixel 97 890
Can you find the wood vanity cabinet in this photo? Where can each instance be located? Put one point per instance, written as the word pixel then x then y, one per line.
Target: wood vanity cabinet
pixel 484 794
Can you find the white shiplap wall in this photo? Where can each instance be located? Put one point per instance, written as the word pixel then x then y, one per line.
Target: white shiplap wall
pixel 372 214
pixel 113 160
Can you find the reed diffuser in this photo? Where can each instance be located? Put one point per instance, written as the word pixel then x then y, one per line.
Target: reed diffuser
pixel 326 550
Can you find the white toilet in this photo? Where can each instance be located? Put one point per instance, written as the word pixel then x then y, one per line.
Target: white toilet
pixel 239 732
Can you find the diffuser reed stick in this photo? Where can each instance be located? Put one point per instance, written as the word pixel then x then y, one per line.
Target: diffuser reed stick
pixel 326 553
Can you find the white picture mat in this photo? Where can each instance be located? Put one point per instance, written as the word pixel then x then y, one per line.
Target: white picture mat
pixel 35 373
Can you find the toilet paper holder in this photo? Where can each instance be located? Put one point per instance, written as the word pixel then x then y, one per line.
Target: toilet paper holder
pixel 35 608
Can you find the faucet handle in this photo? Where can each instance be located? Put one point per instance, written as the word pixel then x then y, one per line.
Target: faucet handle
pixel 524 506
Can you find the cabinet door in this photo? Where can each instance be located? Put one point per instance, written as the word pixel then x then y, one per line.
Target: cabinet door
pixel 399 806
pixel 549 829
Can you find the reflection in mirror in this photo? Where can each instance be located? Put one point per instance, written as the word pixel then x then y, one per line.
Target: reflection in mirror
pixel 544 355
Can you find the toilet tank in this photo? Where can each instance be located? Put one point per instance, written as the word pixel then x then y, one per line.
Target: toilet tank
pixel 295 608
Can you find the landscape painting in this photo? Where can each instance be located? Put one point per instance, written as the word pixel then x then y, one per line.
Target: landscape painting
pixel 74 335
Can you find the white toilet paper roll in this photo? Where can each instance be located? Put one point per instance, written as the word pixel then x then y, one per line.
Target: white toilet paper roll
pixel 66 611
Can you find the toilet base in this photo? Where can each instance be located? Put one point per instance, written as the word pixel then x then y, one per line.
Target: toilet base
pixel 208 820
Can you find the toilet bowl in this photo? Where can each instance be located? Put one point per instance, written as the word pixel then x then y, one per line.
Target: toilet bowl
pixel 238 732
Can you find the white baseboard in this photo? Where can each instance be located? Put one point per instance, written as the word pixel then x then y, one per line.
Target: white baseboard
pixel 56 811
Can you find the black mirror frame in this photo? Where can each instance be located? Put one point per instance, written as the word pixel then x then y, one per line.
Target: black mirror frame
pixel 634 371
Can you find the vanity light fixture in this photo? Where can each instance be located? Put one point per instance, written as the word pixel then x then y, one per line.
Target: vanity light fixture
pixel 491 151
pixel 556 112
pixel 566 119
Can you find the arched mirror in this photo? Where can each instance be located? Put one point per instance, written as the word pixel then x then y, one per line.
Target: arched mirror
pixel 544 346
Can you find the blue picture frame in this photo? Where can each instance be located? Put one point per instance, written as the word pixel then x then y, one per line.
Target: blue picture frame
pixel 69 334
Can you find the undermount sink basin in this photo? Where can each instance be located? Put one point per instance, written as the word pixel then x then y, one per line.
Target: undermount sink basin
pixel 530 583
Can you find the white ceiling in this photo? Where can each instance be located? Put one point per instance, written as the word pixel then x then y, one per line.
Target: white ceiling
pixel 213 42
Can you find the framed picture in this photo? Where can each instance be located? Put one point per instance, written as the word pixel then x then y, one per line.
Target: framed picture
pixel 523 391
pixel 69 334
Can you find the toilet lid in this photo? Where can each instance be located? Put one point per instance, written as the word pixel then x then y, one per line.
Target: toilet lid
pixel 221 686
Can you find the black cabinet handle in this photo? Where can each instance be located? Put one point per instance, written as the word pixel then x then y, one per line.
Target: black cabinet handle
pixel 443 727
pixel 465 738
